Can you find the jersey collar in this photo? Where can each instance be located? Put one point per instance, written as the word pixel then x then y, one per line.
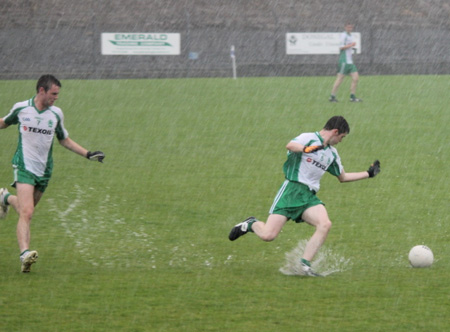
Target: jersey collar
pixel 321 140
pixel 320 137
pixel 34 106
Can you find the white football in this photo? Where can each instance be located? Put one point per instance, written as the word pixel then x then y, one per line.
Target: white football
pixel 420 256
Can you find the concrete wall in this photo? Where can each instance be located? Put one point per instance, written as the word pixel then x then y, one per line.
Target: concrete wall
pixel 63 37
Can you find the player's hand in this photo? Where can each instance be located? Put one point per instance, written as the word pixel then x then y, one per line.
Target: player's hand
pixel 95 156
pixel 312 148
pixel 374 169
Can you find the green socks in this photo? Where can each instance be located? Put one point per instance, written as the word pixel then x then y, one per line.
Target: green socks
pixel 249 229
pixel 306 262
pixel 5 201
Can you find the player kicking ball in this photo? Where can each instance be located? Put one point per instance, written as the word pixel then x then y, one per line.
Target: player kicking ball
pixel 309 156
pixel 39 121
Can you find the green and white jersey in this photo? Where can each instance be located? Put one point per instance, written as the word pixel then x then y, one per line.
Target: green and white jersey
pixel 308 168
pixel 36 132
pixel 345 56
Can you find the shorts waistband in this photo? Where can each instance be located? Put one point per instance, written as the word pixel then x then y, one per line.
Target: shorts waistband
pixel 304 185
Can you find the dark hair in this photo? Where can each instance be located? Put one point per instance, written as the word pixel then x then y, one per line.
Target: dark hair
pixel 46 82
pixel 339 123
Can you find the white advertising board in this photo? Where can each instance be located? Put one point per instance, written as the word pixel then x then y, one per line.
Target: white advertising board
pixel 317 42
pixel 149 43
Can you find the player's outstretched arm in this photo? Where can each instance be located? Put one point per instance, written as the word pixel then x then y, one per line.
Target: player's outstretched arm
pixel 373 170
pixel 78 149
pixel 73 146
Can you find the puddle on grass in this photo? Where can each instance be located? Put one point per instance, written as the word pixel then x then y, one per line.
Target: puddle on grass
pixel 326 261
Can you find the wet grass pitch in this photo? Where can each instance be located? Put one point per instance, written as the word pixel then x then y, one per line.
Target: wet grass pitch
pixel 139 243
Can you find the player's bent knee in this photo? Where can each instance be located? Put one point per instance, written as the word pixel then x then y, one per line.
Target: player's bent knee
pixel 268 237
pixel 325 226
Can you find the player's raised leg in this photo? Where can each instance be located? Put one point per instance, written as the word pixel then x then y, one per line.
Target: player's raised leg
pixel 266 231
pixel 269 230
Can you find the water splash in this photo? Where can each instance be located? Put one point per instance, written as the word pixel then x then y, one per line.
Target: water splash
pixel 325 263
pixel 103 237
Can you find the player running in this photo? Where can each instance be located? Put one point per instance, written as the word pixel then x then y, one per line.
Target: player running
pixel 38 121
pixel 309 156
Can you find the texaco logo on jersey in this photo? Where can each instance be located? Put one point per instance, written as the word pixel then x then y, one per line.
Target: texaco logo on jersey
pixel 37 130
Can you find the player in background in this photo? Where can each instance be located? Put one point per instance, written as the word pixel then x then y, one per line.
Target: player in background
pixel 309 156
pixel 346 65
pixel 38 121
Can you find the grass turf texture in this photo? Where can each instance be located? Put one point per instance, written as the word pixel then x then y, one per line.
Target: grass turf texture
pixel 139 243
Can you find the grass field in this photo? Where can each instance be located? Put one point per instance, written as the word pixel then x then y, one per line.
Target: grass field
pixel 139 243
